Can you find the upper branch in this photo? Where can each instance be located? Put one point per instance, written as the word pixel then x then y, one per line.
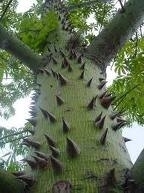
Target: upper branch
pixel 106 45
pixel 14 46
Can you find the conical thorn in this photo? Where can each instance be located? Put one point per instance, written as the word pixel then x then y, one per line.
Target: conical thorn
pixel 100 123
pixel 72 148
pixel 126 139
pixel 50 141
pixel 89 83
pixel 103 137
pixel 29 180
pixel 91 105
pixel 31 143
pixel 102 84
pixel 55 151
pixel 66 127
pixel 33 121
pixel 59 100
pixel 62 80
pixel 106 101
pixel 57 165
pixel 98 118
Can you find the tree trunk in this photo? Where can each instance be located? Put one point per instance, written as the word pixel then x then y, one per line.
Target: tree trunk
pixel 77 144
pixel 76 127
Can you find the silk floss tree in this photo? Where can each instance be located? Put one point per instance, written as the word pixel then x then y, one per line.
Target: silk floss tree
pixel 76 143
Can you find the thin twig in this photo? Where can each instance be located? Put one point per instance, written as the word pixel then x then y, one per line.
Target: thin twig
pixel 12 134
pixel 18 138
pixel 120 99
pixel 5 10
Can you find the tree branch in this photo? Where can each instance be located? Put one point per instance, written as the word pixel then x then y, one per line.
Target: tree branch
pixel 14 46
pixel 9 183
pixel 5 10
pixel 105 46
pixel 137 170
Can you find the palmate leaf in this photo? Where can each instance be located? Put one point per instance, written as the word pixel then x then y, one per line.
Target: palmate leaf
pixel 129 92
pixel 13 139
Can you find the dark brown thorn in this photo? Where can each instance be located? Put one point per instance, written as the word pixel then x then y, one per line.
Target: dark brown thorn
pixel 79 59
pixel 72 148
pixel 126 139
pixel 100 123
pixel 70 68
pixel 62 80
pixel 18 173
pixel 98 118
pixel 66 127
pixel 31 143
pixel 41 155
pixel 89 83
pixel 82 67
pixel 102 95
pixel 55 151
pixel 55 48
pixel 56 165
pixel 91 105
pixel 81 75
pixel 31 163
pixel 55 75
pixel 29 180
pixel 40 70
pixel 117 126
pixel 59 100
pixel 42 163
pixel 47 72
pixel 65 63
pixel 114 115
pixel 52 118
pixel 106 101
pixel 103 137
pixel 101 79
pixel 50 141
pixel 119 119
pixel 72 54
pixel 102 84
pixel 33 121
pixel 46 114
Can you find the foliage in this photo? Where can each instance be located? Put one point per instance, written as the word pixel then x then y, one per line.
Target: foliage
pixel 12 140
pixel 34 31
pixel 128 86
pixel 16 82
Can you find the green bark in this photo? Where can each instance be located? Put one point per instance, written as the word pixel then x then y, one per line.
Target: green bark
pixel 83 145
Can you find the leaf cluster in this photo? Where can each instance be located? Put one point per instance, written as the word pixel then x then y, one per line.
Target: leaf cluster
pixel 129 85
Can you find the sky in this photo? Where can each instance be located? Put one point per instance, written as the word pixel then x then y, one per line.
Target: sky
pixel 135 133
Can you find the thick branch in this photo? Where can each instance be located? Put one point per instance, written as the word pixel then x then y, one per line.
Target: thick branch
pixel 17 48
pixel 138 169
pixel 105 46
pixel 9 183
